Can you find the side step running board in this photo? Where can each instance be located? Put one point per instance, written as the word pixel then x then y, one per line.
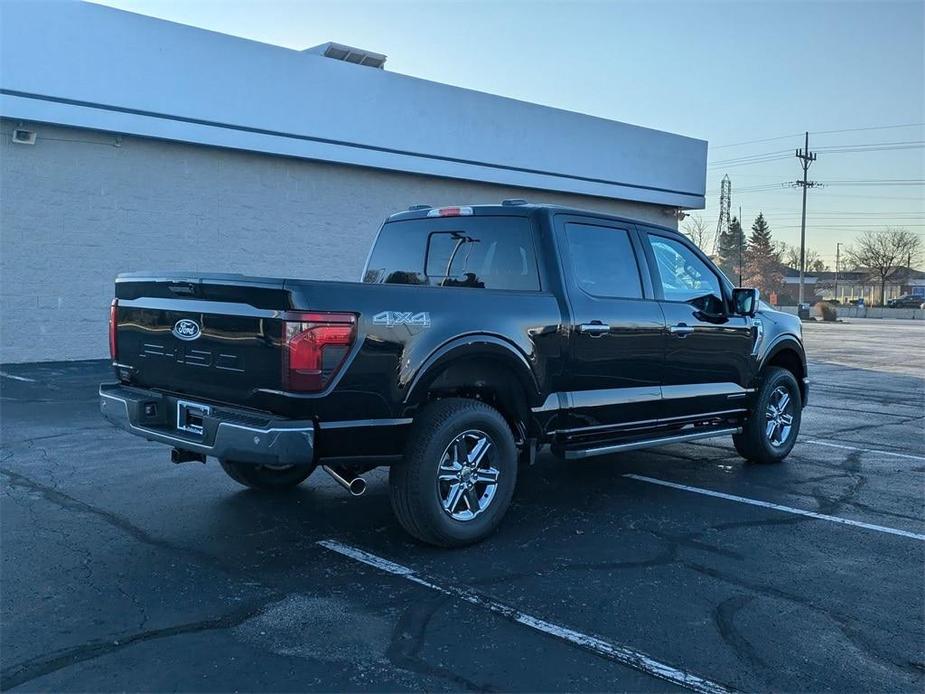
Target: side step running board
pixel 647 443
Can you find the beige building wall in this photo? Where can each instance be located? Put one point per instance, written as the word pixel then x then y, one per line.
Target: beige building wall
pixel 80 206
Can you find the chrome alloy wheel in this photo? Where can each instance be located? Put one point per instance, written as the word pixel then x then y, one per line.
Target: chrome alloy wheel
pixel 779 416
pixel 466 479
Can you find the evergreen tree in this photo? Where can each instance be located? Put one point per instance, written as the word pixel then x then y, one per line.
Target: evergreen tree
pixel 762 259
pixel 761 234
pixel 730 250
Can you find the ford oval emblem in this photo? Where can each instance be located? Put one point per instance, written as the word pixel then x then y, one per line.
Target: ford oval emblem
pixel 187 329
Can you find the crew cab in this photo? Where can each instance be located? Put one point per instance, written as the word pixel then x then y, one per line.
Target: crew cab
pixel 478 335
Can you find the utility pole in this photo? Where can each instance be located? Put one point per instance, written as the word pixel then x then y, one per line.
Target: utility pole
pixel 837 256
pixel 806 158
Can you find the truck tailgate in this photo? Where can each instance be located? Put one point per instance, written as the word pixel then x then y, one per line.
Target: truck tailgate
pixel 215 337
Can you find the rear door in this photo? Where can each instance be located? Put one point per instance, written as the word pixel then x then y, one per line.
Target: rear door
pixel 617 332
pixel 708 358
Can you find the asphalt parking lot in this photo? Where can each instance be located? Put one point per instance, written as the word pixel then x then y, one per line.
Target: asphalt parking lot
pixel 121 571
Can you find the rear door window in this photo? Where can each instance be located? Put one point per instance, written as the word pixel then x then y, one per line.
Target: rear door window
pixel 603 262
pixel 477 252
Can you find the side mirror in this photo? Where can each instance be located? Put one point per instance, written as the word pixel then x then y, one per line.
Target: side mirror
pixel 745 301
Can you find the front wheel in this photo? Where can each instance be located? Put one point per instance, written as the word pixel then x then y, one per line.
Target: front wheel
pixel 456 480
pixel 266 477
pixel 771 429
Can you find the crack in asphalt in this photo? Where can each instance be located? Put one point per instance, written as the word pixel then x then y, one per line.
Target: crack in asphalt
pixel 62 434
pixel 895 421
pixel 723 614
pixel 70 503
pixel 33 668
pixel 724 618
pixel 408 637
pixel 844 623
pixel 879 413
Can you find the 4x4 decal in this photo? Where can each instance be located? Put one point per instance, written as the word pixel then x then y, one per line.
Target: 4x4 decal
pixel 393 319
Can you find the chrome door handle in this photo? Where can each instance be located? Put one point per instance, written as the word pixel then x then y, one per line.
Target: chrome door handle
pixel 594 329
pixel 680 330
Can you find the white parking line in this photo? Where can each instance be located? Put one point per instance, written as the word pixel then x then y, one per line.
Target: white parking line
pixel 777 507
pixel 17 378
pixel 865 450
pixel 621 654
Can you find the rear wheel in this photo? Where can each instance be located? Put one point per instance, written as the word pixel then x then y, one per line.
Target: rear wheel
pixel 266 477
pixel 456 480
pixel 771 429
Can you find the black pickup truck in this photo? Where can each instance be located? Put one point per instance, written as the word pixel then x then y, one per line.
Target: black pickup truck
pixel 478 335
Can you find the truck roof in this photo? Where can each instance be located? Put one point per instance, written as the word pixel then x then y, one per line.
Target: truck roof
pixel 517 208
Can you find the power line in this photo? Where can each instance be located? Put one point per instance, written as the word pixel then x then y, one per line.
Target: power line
pixel 753 156
pixel 848 226
pixel 820 132
pixel 876 182
pixel 867 197
pixel 779 155
pixel 874 127
pixel 752 142
pixel 866 145
pixel 828 194
pixel 865 212
pixel 892 221
pixel 779 212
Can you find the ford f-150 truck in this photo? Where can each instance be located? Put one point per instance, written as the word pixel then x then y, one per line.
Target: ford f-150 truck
pixel 477 335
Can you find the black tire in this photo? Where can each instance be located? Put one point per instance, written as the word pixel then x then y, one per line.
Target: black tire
pixel 415 491
pixel 755 443
pixel 266 477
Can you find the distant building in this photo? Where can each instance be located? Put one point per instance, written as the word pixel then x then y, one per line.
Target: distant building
pixel 851 285
pixel 132 143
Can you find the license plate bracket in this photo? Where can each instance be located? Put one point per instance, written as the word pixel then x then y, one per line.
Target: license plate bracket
pixel 190 416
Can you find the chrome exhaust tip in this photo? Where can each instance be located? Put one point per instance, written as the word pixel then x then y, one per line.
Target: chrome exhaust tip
pixel 356 486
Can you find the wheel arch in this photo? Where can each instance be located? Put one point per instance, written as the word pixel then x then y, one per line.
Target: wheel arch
pixel 484 367
pixel 787 353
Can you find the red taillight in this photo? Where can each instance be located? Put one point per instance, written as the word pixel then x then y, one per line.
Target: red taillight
pixel 314 348
pixel 113 327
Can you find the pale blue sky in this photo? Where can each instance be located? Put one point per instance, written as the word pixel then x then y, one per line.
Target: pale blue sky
pixel 727 72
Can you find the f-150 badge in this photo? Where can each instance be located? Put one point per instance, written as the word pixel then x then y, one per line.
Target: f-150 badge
pixel 393 319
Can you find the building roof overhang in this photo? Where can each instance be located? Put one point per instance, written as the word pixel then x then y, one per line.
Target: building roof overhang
pixel 89 66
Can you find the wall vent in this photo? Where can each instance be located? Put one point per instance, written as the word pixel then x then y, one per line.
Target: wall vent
pixel 21 136
pixel 349 54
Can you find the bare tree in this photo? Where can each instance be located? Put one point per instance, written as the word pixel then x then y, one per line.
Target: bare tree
pixel 791 255
pixel 882 252
pixel 699 232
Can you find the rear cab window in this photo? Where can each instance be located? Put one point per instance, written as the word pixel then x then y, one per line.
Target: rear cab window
pixel 490 252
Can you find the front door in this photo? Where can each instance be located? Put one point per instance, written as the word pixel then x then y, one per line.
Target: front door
pixel 617 332
pixel 708 357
